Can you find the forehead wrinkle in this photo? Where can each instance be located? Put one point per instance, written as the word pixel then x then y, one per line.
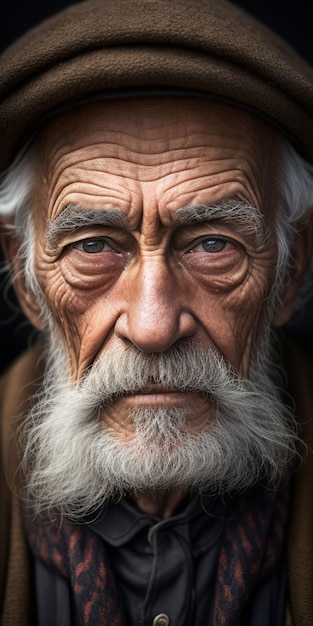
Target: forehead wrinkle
pixel 74 217
pixel 244 215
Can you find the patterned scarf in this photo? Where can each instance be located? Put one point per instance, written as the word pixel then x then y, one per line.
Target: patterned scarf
pixel 251 547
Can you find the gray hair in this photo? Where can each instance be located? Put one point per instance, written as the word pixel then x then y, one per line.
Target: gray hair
pixel 293 181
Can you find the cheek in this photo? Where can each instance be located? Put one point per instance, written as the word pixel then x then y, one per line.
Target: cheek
pixel 232 287
pixel 72 311
pixel 82 297
pixel 232 319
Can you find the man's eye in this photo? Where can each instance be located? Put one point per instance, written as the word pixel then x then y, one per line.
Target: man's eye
pixel 213 245
pixel 92 246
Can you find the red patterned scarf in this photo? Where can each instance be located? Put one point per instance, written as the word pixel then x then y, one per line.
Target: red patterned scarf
pixel 251 547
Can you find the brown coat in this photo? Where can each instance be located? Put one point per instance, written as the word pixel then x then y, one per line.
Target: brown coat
pixel 17 387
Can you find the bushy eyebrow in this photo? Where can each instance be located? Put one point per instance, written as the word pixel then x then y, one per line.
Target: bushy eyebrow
pixel 75 217
pixel 246 218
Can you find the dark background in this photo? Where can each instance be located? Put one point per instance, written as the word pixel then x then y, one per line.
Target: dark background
pixel 292 20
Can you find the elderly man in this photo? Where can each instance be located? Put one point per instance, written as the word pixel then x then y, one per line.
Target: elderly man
pixel 156 219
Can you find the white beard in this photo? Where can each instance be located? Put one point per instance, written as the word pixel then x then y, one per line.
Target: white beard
pixel 73 463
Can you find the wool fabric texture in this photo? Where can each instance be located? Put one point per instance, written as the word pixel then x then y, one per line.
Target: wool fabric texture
pixel 107 48
pixel 252 546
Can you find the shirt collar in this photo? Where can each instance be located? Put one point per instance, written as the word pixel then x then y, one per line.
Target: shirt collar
pixel 118 522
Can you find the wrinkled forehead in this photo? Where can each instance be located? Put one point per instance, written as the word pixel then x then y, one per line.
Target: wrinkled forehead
pixel 109 151
pixel 152 125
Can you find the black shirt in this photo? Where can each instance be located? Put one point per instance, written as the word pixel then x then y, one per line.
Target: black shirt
pixel 165 569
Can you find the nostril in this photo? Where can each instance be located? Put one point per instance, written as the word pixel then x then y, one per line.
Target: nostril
pixel 155 334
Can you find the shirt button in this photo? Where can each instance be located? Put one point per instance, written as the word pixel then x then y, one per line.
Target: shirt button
pixel 161 620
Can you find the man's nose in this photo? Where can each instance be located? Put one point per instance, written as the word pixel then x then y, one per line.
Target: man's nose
pixel 156 312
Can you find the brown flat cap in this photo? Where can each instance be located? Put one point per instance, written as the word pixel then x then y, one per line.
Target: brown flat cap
pixel 109 48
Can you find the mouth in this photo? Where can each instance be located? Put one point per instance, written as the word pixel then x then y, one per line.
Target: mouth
pixel 153 389
pixel 155 394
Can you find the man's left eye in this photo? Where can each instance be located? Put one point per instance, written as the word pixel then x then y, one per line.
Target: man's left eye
pixel 213 245
pixel 92 246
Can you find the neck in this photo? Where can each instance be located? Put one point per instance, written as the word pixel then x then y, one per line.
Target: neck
pixel 161 504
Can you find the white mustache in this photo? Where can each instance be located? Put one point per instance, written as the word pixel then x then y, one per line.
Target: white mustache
pixel 185 368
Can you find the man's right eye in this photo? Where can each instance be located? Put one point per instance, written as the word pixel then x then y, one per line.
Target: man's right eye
pixel 93 245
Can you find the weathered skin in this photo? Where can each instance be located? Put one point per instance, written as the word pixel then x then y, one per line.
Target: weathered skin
pixel 154 283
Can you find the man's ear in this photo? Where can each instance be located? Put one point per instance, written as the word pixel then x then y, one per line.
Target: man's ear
pixel 302 250
pixel 10 245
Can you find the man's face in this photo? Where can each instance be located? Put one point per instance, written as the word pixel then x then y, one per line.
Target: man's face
pixel 154 253
pixel 120 258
